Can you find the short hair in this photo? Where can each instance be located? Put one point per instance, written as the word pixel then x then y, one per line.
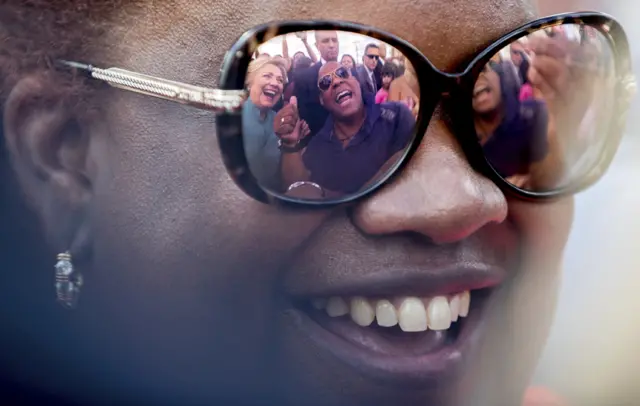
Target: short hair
pixel 371 45
pixel 318 32
pixel 261 62
pixel 389 69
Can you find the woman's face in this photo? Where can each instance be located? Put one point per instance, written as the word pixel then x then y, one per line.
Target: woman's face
pixel 386 80
pixel 347 62
pixel 194 290
pixel 267 87
pixel 516 51
pixel 487 93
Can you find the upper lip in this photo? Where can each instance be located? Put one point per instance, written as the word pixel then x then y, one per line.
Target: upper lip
pixel 270 89
pixel 339 88
pixel 480 88
pixel 451 279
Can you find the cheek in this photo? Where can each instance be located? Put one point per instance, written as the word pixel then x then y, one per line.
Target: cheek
pixel 545 226
pixel 183 244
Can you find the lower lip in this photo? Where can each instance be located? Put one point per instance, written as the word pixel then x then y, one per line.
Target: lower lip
pixel 482 94
pixel 346 103
pixel 269 98
pixel 437 367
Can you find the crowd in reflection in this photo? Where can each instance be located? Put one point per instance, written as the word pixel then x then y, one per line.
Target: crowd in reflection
pixel 324 126
pixel 539 106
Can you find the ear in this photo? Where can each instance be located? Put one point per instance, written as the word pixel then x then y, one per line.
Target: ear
pixel 49 144
pixel 321 101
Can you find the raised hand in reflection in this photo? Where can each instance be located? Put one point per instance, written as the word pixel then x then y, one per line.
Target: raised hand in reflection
pixel 564 75
pixel 288 126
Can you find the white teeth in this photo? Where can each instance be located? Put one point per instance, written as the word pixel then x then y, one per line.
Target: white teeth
pixel 386 314
pixel 337 307
pixel 454 305
pixel 412 315
pixel 361 311
pixel 439 314
pixel 465 301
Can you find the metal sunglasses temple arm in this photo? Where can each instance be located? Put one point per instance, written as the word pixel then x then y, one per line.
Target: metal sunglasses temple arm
pixel 216 100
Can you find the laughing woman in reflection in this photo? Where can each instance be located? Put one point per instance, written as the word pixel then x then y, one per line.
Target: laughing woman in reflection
pixel 265 81
pixel 513 133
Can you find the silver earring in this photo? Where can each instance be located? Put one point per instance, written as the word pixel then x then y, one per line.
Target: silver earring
pixel 68 281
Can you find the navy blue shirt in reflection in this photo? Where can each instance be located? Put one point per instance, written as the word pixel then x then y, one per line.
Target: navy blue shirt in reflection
pixel 387 129
pixel 520 140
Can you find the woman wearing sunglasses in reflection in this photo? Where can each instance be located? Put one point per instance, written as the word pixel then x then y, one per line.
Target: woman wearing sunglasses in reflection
pixel 513 133
pixel 266 78
pixel 196 291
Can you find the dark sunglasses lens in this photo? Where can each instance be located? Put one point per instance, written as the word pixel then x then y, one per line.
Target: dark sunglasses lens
pixel 325 131
pixel 342 73
pixel 325 83
pixel 543 108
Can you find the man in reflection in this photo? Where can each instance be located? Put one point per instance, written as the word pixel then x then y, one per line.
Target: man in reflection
pixel 357 143
pixel 369 73
pixel 306 89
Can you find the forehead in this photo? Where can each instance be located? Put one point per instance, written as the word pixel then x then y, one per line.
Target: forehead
pixel 328 67
pixel 271 69
pixel 197 33
pixel 326 35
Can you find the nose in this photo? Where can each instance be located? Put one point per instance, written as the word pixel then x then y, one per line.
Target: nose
pixel 336 81
pixel 438 195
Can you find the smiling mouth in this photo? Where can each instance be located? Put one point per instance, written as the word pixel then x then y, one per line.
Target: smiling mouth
pixel 343 97
pixel 481 90
pixel 270 94
pixel 409 339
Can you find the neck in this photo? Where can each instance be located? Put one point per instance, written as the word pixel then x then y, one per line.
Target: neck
pixel 486 124
pixel 263 110
pixel 346 128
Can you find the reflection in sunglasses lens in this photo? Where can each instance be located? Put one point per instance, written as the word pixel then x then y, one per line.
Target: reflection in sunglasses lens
pixel 537 137
pixel 331 129
pixel 342 73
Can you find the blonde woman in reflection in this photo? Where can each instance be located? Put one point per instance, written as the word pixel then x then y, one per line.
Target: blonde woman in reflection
pixel 266 78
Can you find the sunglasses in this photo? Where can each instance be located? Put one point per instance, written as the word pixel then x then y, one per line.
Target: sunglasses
pixel 376 57
pixel 534 146
pixel 325 81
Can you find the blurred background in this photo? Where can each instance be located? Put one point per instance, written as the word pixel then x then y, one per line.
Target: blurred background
pixel 593 354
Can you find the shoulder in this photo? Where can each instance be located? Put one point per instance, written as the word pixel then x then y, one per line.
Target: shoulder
pixel 393 110
pixel 533 109
pixel 308 73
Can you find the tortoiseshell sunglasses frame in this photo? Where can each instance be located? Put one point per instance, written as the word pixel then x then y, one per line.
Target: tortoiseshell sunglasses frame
pixel 455 89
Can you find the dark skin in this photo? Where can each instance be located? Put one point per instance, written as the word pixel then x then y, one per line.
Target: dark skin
pixel 186 272
pixel 347 122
